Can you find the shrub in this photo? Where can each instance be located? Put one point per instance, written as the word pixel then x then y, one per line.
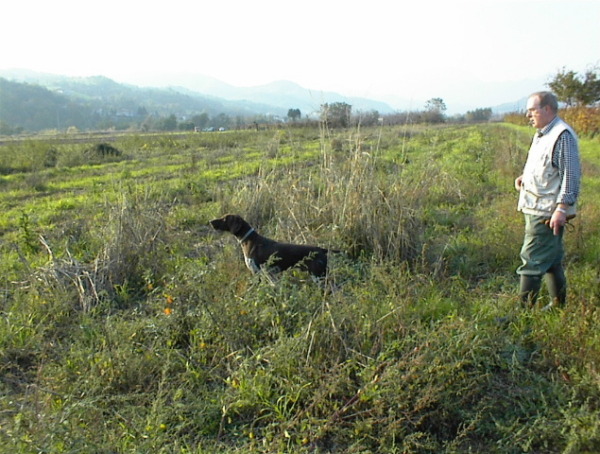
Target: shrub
pixel 135 327
pixel 585 120
pixel 131 253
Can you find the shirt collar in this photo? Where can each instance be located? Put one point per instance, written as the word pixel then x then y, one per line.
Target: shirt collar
pixel 546 129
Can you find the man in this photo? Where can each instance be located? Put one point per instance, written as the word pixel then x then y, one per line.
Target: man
pixel 548 190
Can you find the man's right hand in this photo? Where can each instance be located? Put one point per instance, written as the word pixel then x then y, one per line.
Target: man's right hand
pixel 519 182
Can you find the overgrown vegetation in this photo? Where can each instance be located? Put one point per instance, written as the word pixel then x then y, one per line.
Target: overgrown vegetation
pixel 586 120
pixel 580 96
pixel 128 325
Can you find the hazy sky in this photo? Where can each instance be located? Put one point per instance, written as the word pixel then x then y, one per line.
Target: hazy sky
pixel 483 51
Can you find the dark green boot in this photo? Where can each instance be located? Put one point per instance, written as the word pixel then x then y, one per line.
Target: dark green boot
pixel 557 285
pixel 530 289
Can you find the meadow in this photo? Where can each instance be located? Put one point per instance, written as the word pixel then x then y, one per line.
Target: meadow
pixel 129 325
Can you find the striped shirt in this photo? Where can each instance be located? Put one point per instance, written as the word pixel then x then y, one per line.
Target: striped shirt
pixel 565 157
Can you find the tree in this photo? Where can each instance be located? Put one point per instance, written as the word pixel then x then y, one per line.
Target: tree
pixel 565 86
pixel 436 105
pixel 186 126
pixel 201 120
pixel 6 129
pixel 590 90
pixel 478 115
pixel 168 123
pixel 294 114
pixel 222 121
pixel 573 89
pixel 336 114
pixel 369 118
pixel 434 110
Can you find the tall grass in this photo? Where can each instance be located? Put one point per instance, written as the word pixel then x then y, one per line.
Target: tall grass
pixel 128 325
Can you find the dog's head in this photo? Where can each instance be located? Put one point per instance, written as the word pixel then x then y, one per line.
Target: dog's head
pixel 231 223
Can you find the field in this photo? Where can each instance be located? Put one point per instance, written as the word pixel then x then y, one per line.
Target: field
pixel 129 325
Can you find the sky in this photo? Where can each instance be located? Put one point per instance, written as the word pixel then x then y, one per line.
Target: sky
pixel 470 53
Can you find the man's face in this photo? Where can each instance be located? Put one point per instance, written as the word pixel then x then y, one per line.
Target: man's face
pixel 538 116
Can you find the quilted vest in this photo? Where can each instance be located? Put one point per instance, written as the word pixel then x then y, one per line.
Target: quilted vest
pixel 541 181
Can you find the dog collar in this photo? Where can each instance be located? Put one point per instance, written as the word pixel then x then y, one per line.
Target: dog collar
pixel 246 235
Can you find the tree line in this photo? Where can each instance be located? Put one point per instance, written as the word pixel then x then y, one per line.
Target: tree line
pixel 30 108
pixel 576 90
pixel 579 95
pixel 105 105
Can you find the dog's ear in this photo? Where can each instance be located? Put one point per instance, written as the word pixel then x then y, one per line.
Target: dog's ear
pixel 234 222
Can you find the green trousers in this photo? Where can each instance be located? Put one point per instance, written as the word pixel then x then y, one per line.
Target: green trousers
pixel 542 255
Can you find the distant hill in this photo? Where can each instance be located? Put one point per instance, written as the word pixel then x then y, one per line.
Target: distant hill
pixel 509 107
pixel 34 101
pixel 33 107
pixel 282 94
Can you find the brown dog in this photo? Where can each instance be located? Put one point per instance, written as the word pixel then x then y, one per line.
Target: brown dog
pixel 260 251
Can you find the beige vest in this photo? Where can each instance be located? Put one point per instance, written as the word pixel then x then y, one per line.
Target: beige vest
pixel 541 181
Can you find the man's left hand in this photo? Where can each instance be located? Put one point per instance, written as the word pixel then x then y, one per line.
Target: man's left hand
pixel 557 221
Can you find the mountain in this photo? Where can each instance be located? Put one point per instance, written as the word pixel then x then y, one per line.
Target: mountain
pixel 282 94
pixel 33 107
pixel 161 100
pixel 35 101
pixel 285 95
pixel 515 106
pixel 275 98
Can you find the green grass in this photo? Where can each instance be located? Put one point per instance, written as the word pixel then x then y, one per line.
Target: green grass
pixel 128 325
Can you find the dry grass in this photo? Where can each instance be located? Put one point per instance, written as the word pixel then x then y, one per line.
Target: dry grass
pixel 136 328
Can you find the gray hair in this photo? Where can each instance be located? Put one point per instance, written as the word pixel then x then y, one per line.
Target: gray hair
pixel 547 98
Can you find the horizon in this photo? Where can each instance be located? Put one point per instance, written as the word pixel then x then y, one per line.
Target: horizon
pixel 25 75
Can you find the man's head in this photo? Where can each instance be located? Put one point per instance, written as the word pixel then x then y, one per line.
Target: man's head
pixel 541 108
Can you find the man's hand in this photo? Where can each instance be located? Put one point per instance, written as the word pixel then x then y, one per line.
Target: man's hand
pixel 519 183
pixel 557 221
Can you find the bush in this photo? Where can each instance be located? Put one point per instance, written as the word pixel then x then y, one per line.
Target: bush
pixel 585 120
pixel 129 325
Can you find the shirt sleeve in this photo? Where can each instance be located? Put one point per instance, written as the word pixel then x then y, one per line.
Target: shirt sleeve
pixel 566 159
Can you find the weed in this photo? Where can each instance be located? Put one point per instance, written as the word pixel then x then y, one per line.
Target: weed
pixel 128 325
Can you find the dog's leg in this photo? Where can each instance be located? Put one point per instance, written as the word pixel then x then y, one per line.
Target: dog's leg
pixel 271 277
pixel 251 264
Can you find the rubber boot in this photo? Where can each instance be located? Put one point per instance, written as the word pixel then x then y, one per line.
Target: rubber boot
pixel 557 285
pixel 530 289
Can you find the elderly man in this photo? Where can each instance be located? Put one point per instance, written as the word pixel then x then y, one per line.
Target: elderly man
pixel 548 190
